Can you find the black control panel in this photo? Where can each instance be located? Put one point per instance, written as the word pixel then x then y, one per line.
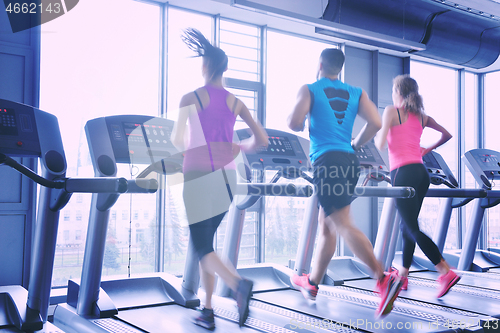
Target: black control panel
pixel 484 165
pixel 18 132
pixel 438 170
pixel 369 157
pixel 8 122
pixel 284 150
pixel 141 139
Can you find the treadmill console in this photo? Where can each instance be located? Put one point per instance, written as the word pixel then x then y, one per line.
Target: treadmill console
pixel 18 133
pixel 369 157
pixel 284 150
pixel 438 170
pixel 484 164
pixel 26 131
pixel 132 139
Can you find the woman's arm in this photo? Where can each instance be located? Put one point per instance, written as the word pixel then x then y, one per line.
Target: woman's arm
pixel 186 107
pixel 368 111
pixel 259 137
pixel 445 135
pixel 387 120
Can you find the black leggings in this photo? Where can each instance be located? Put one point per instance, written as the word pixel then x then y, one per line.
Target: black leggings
pixel 416 176
pixel 207 197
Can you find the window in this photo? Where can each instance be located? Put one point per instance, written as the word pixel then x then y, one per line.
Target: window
pixel 78 215
pixel 284 216
pixel 78 235
pixel 283 57
pixel 136 215
pixel 79 198
pixel 184 70
pixel 241 43
pixel 139 235
pixel 67 215
pixel 491 120
pixel 108 67
pixel 442 107
pixel 469 140
pixel 184 75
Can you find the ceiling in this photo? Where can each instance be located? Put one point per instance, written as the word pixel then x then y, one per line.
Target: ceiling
pixel 302 17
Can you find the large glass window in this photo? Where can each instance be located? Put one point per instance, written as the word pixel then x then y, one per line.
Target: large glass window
pixel 108 67
pixel 241 42
pixel 184 69
pixel 284 216
pixel 437 85
pixel 183 75
pixel 491 121
pixel 470 141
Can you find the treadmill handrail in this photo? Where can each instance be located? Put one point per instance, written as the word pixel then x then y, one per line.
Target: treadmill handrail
pixel 390 192
pixel 70 185
pixel 492 194
pixel 456 193
pixel 4 159
pixel 255 191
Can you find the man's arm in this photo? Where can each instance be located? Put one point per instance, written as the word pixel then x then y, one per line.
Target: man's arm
pixel 368 111
pixel 296 120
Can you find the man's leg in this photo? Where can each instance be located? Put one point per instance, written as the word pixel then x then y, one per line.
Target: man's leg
pixel 327 244
pixel 388 286
pixel 355 239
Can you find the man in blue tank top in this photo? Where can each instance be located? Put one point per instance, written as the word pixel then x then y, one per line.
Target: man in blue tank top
pixel 332 107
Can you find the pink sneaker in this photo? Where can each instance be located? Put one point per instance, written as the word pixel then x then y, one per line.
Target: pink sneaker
pixel 405 283
pixel 405 279
pixel 388 290
pixel 302 283
pixel 446 281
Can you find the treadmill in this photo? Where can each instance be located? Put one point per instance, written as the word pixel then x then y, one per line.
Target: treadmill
pixel 26 131
pixel 440 174
pixel 478 305
pixel 484 165
pixel 336 307
pixel 157 302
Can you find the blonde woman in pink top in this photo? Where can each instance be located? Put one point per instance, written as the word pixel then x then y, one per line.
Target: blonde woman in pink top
pixel 402 126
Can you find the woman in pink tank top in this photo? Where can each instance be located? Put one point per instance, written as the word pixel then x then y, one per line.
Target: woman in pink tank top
pixel 204 132
pixel 402 126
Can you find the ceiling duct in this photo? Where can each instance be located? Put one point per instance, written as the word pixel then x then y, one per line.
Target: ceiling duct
pixel 348 32
pixel 449 35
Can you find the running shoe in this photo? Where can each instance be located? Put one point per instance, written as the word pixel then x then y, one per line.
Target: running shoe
pixel 405 279
pixel 405 283
pixel 302 283
pixel 446 281
pixel 206 319
pixel 388 289
pixel 243 296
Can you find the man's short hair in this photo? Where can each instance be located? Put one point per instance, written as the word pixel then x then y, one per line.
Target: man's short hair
pixel 332 60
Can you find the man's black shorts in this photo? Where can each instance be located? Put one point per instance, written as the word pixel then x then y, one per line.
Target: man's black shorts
pixel 335 177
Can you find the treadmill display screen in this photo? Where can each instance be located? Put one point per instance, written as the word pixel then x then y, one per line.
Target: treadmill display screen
pixel 278 146
pixel 488 160
pixel 156 135
pixel 430 161
pixel 8 125
pixel 365 154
